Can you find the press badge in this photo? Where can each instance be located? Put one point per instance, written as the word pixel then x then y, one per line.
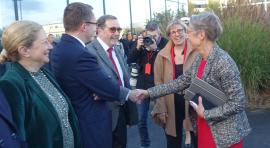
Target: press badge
pixel 147 69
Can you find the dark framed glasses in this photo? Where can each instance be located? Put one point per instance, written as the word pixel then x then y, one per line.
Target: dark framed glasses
pixel 94 23
pixel 114 29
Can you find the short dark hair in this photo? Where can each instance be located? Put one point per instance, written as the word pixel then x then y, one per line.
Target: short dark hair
pixel 102 20
pixel 151 26
pixel 75 14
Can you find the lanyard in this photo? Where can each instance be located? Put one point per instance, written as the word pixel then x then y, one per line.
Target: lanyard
pixel 173 55
pixel 149 56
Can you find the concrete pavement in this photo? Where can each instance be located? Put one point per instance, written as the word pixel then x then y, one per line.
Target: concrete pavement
pixel 259 137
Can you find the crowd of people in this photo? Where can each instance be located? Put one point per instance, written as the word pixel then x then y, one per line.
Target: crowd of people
pixel 77 93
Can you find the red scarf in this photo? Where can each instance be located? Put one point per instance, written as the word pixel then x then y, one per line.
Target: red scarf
pixel 173 55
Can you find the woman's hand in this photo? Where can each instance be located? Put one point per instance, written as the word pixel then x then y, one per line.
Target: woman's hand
pixel 198 108
pixel 160 118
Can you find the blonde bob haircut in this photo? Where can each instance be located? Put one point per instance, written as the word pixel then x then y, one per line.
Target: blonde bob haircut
pixel 173 23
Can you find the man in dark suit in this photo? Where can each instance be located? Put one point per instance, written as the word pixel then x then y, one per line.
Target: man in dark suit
pixel 8 131
pixel 80 76
pixel 112 60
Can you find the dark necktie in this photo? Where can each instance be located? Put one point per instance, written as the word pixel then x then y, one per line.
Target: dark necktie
pixel 115 67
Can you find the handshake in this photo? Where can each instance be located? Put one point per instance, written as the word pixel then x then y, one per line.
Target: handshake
pixel 137 95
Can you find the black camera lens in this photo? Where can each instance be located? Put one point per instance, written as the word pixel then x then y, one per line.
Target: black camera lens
pixel 147 41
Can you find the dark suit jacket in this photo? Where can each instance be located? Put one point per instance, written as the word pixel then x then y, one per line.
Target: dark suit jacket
pixel 80 75
pixel 34 115
pixel 96 49
pixel 8 131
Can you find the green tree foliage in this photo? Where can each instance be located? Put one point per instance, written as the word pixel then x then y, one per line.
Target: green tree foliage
pixel 163 18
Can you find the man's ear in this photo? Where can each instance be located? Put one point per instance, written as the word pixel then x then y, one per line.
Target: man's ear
pixel 23 51
pixel 83 27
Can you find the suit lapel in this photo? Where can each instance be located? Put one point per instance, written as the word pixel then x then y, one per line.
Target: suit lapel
pixel 122 64
pixel 103 55
pixel 32 84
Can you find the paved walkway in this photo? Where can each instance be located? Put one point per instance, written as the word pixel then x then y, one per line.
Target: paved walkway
pixel 259 137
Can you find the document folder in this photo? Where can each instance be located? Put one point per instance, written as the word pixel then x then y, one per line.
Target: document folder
pixel 212 97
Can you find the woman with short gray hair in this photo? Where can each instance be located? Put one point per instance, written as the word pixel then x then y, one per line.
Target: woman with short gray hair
pixel 221 126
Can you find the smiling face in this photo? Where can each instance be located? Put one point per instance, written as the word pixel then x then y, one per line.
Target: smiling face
pixel 110 33
pixel 177 35
pixel 39 51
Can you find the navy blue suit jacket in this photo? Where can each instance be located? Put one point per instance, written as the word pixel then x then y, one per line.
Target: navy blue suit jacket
pixel 8 131
pixel 80 75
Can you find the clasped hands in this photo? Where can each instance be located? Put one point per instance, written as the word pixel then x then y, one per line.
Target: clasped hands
pixel 137 95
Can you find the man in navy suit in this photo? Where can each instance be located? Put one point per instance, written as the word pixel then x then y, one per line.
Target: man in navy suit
pixel 8 131
pixel 80 76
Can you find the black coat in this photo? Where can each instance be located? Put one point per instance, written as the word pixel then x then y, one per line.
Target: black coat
pixel 145 81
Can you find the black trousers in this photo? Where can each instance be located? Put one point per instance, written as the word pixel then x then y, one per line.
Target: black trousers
pixel 120 132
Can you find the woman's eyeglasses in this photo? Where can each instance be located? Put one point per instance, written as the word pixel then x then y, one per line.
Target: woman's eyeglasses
pixel 179 31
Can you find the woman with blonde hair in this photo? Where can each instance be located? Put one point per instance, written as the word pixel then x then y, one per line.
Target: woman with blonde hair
pixel 40 109
pixel 171 111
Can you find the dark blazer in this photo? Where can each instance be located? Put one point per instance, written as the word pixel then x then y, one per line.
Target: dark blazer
pixel 96 49
pixel 80 75
pixel 4 67
pixel 8 130
pixel 34 115
pixel 145 81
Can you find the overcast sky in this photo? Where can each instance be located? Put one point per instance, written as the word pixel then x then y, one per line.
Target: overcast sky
pixel 51 11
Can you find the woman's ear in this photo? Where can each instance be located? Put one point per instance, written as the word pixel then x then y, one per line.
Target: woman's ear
pixel 23 51
pixel 201 35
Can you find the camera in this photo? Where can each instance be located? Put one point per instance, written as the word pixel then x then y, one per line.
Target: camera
pixel 147 41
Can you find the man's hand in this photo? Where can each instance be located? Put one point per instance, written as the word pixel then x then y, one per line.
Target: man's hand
pixel 139 42
pixel 96 97
pixel 199 108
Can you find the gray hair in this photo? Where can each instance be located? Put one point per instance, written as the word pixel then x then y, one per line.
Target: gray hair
pixel 174 23
pixel 208 22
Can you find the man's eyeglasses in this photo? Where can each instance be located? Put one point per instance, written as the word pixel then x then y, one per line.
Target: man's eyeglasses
pixel 179 31
pixel 114 29
pixel 94 23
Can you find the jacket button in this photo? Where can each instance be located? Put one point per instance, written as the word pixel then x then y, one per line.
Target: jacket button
pixel 13 135
pixel 2 144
